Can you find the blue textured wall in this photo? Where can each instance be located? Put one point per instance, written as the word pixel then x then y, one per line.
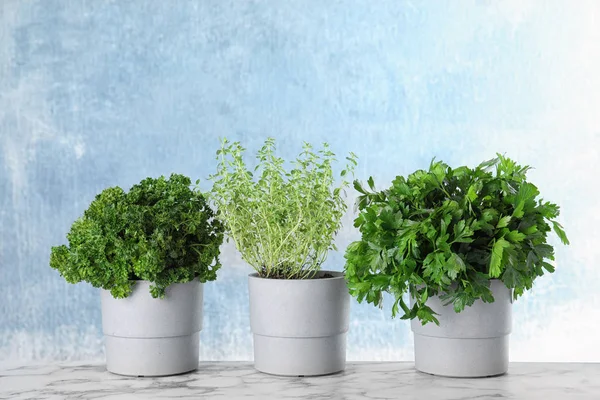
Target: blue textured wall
pixel 102 93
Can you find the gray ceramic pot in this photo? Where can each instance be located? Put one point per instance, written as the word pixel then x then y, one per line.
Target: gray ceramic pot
pixel 144 336
pixel 472 343
pixel 299 326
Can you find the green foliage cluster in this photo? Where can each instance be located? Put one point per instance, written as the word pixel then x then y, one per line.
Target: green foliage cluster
pixel 162 231
pixel 282 221
pixel 448 232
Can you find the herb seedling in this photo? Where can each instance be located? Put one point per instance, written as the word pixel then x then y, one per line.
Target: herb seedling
pixel 282 221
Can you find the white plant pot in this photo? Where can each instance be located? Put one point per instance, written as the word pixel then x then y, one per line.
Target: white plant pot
pixel 144 336
pixel 472 343
pixel 299 326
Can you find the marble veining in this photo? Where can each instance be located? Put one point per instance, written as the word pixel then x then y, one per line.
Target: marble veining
pixel 377 381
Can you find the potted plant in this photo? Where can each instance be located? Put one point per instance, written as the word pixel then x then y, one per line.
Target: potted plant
pixel 283 223
pixel 149 250
pixel 463 243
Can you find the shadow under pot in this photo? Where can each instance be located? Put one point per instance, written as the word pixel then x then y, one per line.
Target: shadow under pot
pixel 299 326
pixel 144 336
pixel 469 344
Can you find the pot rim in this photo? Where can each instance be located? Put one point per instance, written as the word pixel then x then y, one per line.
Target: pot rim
pixel 336 276
pixel 172 284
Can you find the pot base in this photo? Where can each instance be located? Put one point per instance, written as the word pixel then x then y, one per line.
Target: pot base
pixel 300 356
pixel 152 356
pixel 461 358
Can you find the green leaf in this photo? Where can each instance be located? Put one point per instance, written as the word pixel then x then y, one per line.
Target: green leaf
pixel 472 193
pixel 503 222
pixel 459 228
pixel 352 159
pixel 400 186
pixel 515 236
pixel 489 214
pixel 530 230
pixel 512 277
pixel 497 255
pixel 425 314
pixel 424 296
pixel 463 240
pixel 442 242
pixel 549 210
pixel 518 212
pixel 488 163
pixel 544 250
pixel 548 267
pixel 558 229
pixel 371 183
pixel 527 193
pixel 358 187
pixel 460 300
pixel 456 265
pixel 404 306
pixel 444 223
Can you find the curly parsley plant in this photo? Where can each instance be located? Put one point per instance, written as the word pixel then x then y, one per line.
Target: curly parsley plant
pixel 449 231
pixel 282 221
pixel 161 231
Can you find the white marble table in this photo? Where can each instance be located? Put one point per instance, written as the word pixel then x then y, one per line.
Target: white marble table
pixel 233 381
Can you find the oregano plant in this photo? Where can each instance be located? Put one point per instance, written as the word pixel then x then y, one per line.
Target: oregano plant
pixel 162 231
pixel 281 217
pixel 449 231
